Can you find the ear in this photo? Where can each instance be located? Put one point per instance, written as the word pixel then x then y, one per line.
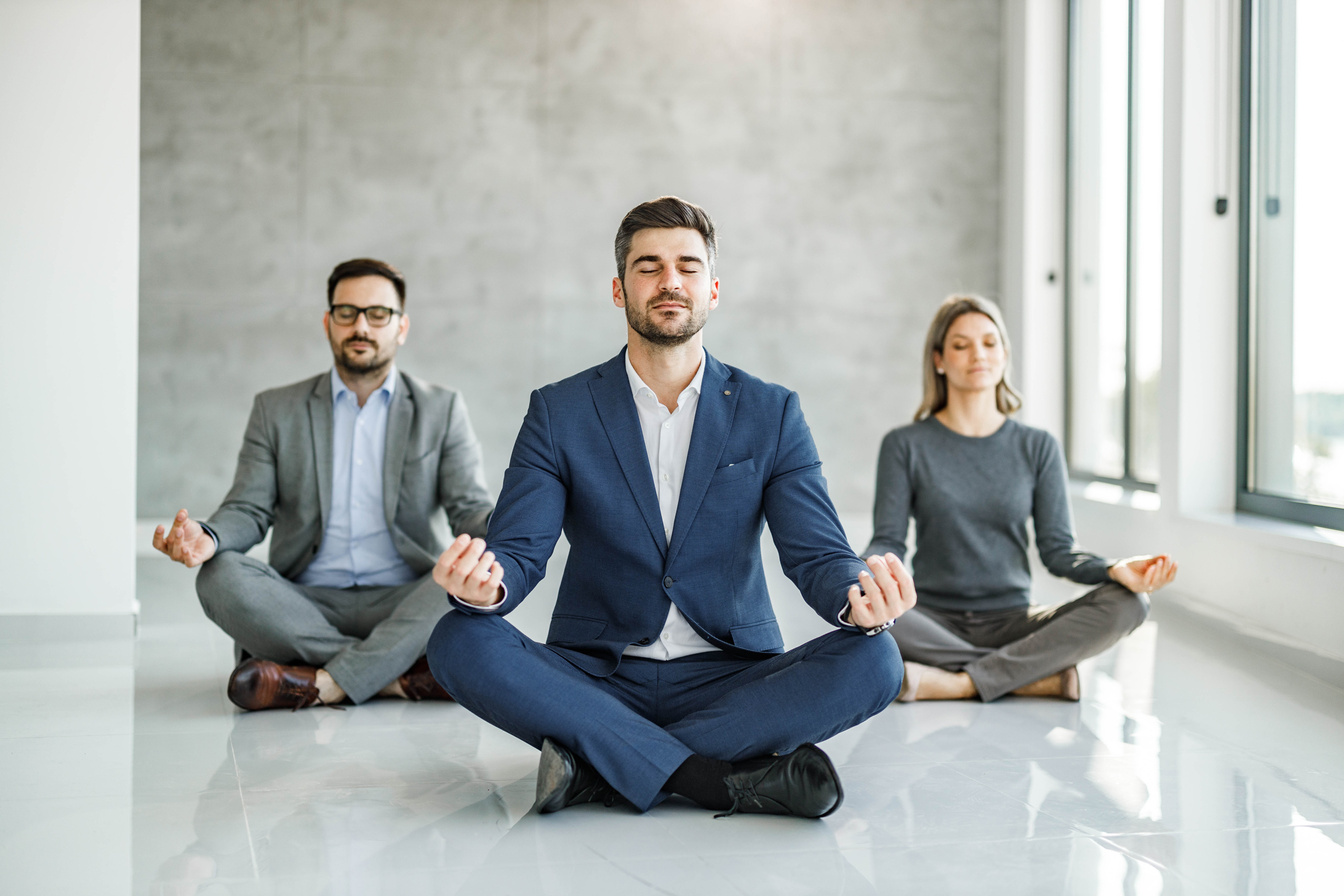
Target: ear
pixel 403 328
pixel 326 323
pixel 713 295
pixel 617 293
pixel 937 359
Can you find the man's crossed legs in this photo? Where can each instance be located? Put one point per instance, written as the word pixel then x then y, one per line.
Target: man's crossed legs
pixel 369 640
pixel 653 728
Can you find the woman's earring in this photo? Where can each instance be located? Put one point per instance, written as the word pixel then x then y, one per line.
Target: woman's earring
pixel 940 370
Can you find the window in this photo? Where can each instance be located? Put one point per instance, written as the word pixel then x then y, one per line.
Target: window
pixel 1292 188
pixel 1114 240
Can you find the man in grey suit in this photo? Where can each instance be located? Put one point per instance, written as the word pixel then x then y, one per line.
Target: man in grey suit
pixel 360 470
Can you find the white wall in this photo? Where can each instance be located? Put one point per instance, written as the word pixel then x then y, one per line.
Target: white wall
pixel 1035 59
pixel 69 247
pixel 1280 584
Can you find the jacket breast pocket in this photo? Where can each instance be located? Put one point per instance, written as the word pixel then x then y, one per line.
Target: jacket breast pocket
pixel 734 471
pixel 574 630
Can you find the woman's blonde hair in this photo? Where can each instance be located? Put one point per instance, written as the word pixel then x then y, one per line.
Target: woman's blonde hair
pixel 935 383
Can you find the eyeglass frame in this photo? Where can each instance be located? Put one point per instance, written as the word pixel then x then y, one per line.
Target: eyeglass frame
pixel 391 313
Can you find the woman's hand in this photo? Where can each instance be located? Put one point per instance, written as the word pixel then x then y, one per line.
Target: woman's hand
pixel 1140 574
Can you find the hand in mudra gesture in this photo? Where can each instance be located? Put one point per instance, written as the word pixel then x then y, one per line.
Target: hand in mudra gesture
pixel 884 592
pixel 1144 574
pixel 468 572
pixel 186 541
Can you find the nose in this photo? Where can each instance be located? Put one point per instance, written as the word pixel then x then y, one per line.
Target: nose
pixel 671 280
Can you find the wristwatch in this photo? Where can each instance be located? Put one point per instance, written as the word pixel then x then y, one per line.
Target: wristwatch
pixel 879 629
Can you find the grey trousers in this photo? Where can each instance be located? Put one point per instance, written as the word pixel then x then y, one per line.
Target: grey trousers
pixel 1004 649
pixel 364 636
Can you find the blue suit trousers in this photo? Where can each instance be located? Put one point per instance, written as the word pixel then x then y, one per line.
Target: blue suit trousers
pixel 638 725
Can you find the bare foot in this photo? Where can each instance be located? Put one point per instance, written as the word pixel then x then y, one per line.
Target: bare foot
pixel 394 690
pixel 328 691
pixel 1062 684
pixel 931 683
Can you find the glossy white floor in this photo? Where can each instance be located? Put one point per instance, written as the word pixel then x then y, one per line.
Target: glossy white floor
pixel 1191 766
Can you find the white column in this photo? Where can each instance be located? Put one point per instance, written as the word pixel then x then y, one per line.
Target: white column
pixel 69 245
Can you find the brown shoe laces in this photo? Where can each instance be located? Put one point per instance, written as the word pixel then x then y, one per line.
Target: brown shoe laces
pixel 308 696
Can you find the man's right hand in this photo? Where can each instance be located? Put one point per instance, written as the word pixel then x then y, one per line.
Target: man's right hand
pixel 186 542
pixel 468 572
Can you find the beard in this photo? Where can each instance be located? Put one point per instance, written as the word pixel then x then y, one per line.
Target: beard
pixel 371 362
pixel 669 334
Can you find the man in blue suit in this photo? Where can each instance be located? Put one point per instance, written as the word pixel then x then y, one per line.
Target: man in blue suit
pixel 664 670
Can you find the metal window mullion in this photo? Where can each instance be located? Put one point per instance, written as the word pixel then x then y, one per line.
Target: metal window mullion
pixel 1070 96
pixel 1127 425
pixel 1246 249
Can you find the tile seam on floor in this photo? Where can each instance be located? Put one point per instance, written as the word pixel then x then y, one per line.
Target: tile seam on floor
pixel 242 801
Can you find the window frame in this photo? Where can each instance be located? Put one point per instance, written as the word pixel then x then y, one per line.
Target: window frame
pixel 1128 480
pixel 1248 500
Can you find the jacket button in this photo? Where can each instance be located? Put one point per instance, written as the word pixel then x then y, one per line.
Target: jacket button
pixel 669 582
pixel 642 642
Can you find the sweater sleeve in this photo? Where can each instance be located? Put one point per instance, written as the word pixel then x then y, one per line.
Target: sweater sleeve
pixel 891 503
pixel 1053 521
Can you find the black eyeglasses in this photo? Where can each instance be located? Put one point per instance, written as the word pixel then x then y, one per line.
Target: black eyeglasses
pixel 376 315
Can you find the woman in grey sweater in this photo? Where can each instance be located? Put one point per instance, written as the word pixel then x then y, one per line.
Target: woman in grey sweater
pixel 971 477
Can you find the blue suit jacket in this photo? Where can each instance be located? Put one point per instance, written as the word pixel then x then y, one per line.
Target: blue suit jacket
pixel 580 463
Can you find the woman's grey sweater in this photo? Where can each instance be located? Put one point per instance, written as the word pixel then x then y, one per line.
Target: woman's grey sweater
pixel 971 499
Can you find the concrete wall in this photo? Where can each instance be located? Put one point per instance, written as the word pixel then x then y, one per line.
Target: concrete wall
pixel 849 152
pixel 69 188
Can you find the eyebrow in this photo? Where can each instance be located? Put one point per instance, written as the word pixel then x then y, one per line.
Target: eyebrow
pixel 657 259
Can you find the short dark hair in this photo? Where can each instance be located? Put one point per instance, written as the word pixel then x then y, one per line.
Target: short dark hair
pixel 365 267
pixel 665 211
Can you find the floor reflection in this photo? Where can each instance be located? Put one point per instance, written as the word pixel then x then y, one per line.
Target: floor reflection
pixel 1190 767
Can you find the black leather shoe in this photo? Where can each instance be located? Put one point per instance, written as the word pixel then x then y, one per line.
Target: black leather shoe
pixel 564 779
pixel 803 784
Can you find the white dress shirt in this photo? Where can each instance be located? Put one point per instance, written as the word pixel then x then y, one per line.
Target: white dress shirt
pixel 667 439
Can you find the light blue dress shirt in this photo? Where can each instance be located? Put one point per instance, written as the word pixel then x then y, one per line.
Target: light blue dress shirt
pixel 356 548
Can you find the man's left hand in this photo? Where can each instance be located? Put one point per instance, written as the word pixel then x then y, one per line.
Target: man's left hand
pixel 884 592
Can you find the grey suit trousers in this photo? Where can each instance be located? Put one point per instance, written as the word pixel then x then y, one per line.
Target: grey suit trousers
pixel 1004 649
pixel 364 636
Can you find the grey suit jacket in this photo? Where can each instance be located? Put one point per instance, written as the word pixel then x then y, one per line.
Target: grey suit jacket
pixel 433 475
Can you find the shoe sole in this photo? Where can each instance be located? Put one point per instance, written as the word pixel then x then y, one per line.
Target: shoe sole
pixel 554 772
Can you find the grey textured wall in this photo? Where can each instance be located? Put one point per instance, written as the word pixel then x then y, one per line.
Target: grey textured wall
pixel 847 149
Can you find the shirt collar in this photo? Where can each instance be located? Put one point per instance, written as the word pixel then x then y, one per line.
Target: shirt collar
pixel 338 385
pixel 637 385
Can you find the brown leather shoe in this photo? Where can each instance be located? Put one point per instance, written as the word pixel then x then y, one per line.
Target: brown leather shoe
pixel 262 684
pixel 418 683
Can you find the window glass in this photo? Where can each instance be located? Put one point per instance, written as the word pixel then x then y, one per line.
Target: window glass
pixel 1098 236
pixel 1114 283
pixel 1295 405
pixel 1146 238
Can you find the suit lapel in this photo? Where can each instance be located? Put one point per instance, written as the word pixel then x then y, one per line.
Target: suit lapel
pixel 399 417
pixel 713 421
pixel 319 415
pixel 616 409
